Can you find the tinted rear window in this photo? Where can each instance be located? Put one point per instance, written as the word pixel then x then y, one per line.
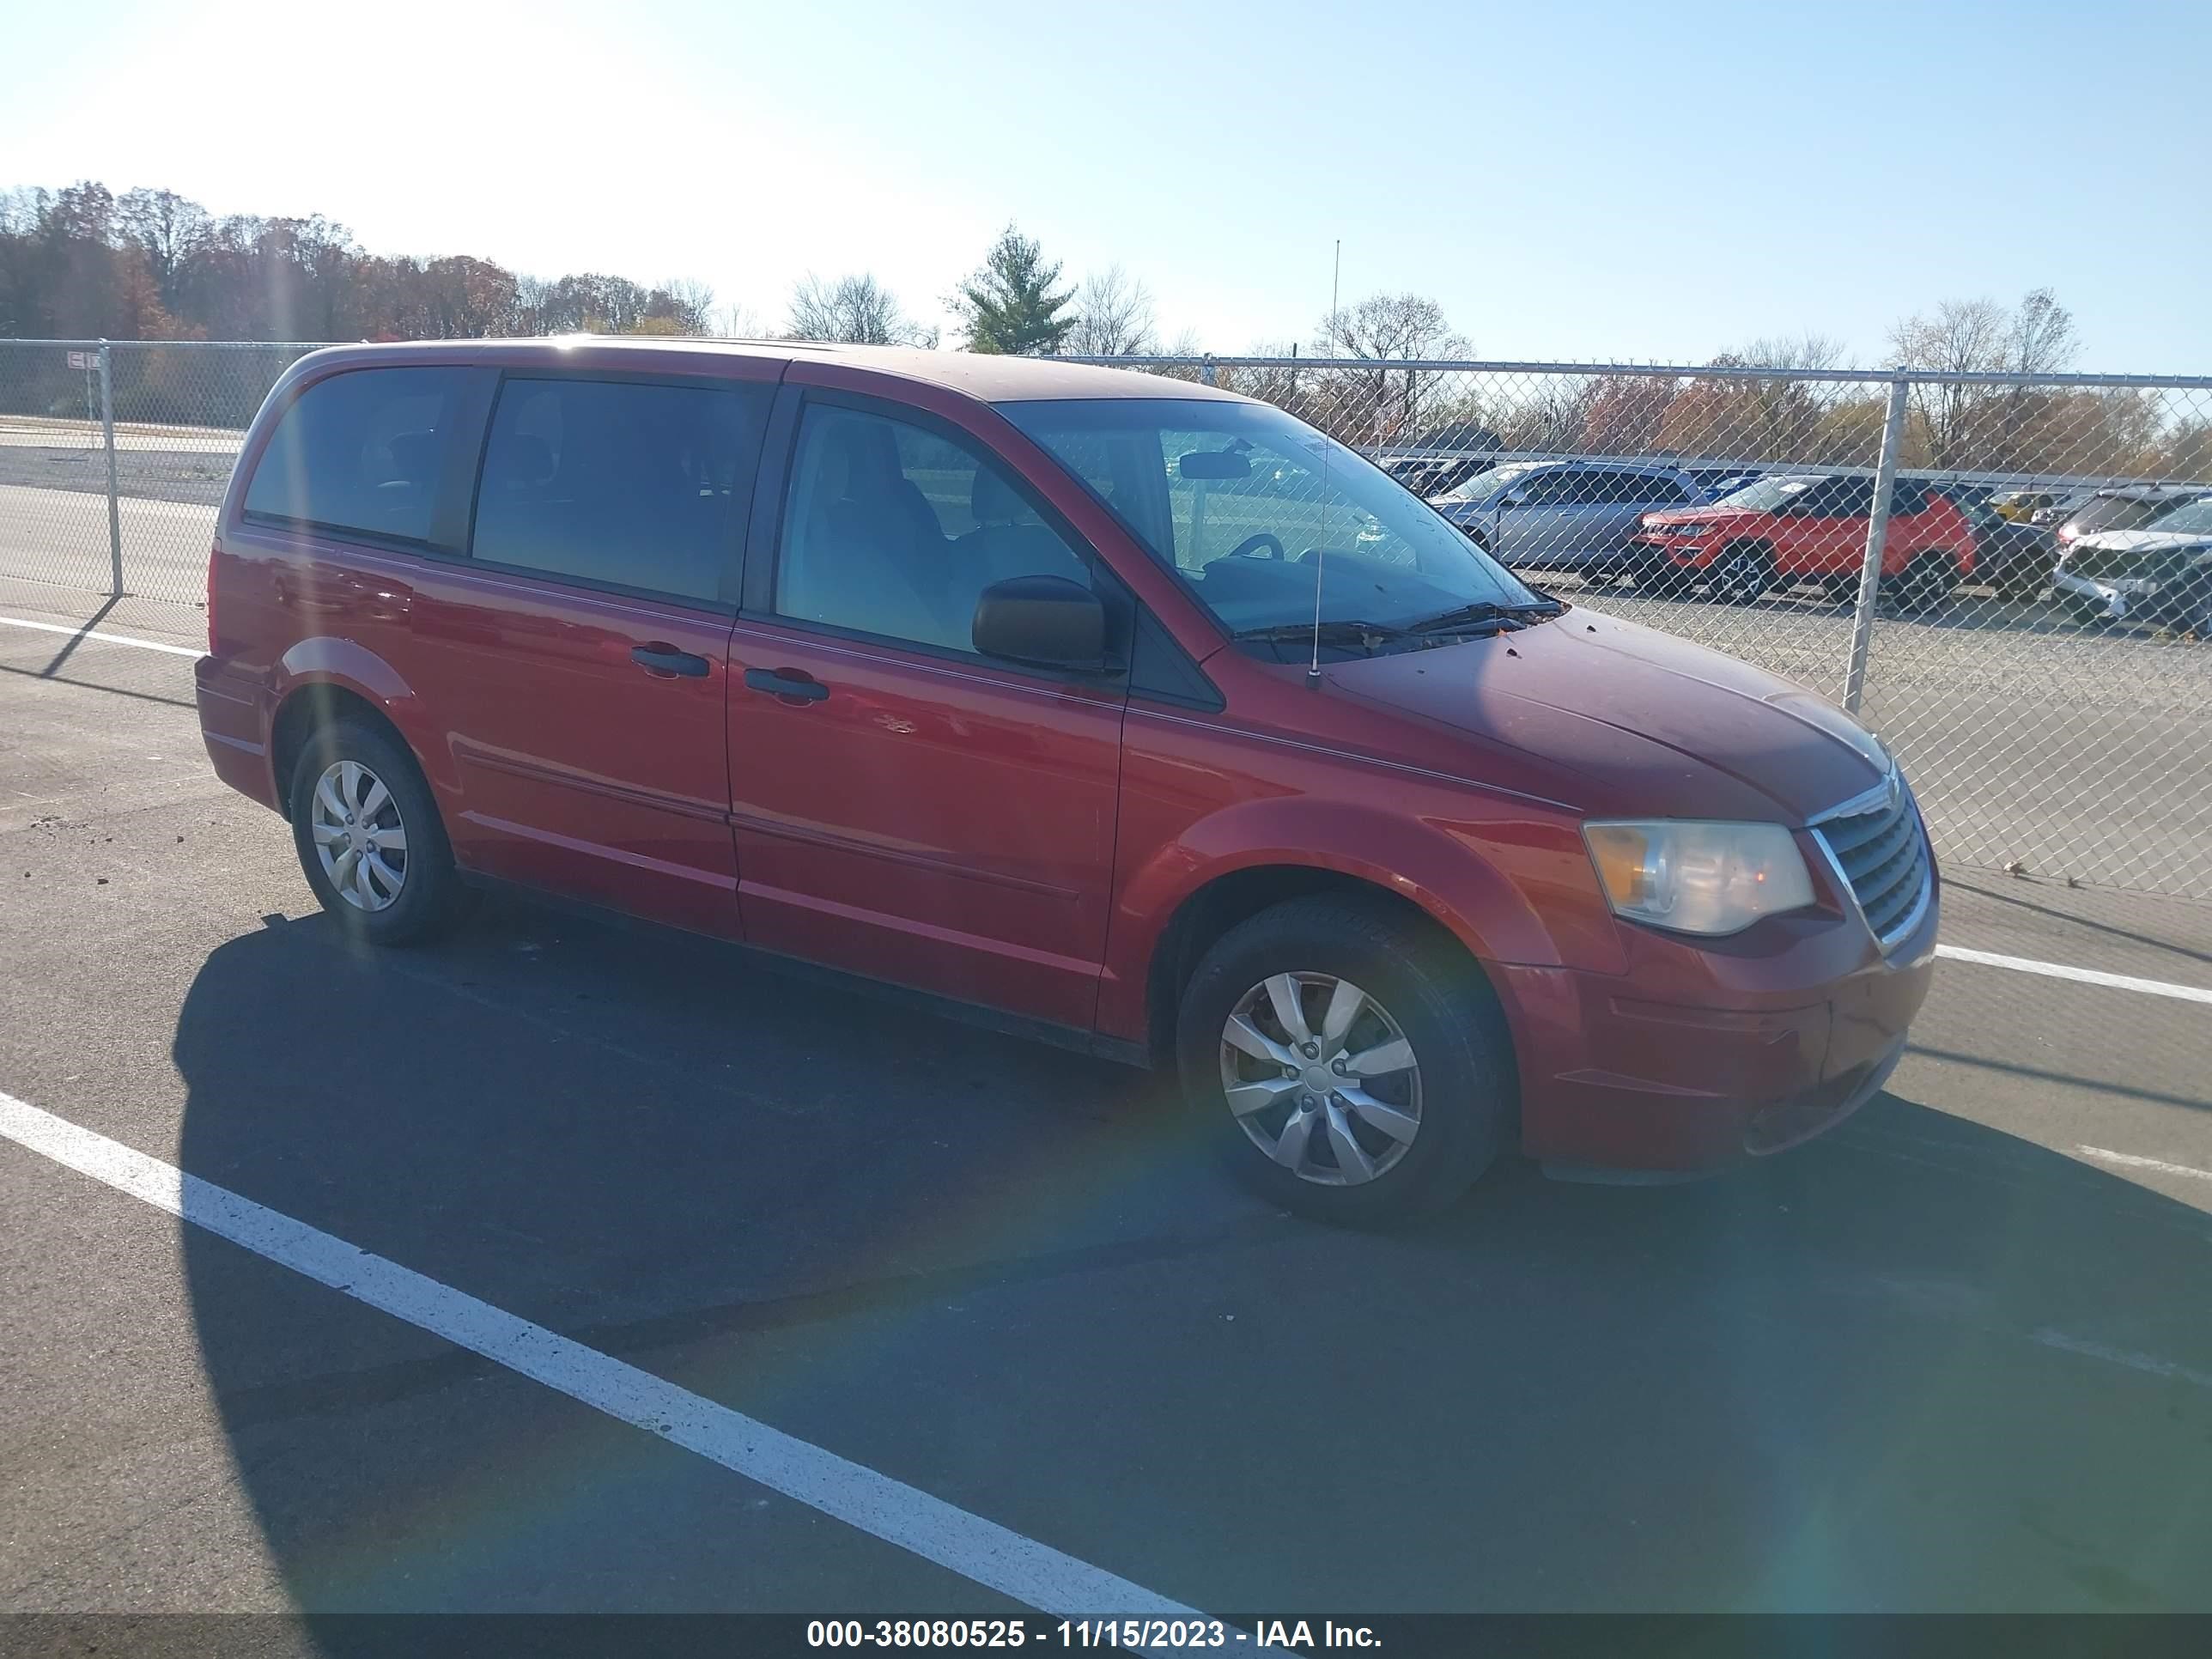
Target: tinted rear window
pixel 2118 513
pixel 637 485
pixel 360 452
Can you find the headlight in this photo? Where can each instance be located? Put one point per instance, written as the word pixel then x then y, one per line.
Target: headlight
pixel 1698 877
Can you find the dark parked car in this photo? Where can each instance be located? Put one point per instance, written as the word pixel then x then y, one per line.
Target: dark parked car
pixel 2013 556
pixel 2123 506
pixel 998 678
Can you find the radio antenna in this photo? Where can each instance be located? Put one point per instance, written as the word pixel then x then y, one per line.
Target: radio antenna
pixel 1320 550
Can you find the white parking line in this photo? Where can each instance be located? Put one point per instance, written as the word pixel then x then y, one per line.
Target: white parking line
pixel 2155 988
pixel 989 1554
pixel 104 639
pixel 2128 1160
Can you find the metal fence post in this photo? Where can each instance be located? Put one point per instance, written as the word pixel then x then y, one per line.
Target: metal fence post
pixel 1206 373
pixel 115 510
pixel 1885 476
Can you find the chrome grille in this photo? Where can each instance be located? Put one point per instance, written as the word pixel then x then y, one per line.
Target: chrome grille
pixel 1881 850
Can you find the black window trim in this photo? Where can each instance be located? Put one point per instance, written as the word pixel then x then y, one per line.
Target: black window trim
pixel 763 540
pixel 731 579
pixel 449 510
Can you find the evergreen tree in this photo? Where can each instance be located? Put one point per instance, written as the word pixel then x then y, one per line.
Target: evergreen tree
pixel 1008 306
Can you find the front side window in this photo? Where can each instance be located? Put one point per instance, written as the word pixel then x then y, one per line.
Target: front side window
pixel 1251 507
pixel 636 484
pixel 896 529
pixel 1561 487
pixel 361 451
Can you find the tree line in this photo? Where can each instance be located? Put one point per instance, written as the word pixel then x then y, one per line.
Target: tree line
pixel 150 265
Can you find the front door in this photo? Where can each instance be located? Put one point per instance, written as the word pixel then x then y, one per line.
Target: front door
pixel 579 658
pixel 1823 531
pixel 905 807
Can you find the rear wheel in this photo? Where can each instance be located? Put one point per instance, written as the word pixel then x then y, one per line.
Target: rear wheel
pixel 370 837
pixel 1744 572
pixel 1926 584
pixel 1346 1063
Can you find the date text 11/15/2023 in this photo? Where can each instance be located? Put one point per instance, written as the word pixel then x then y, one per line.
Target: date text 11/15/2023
pixel 1290 1635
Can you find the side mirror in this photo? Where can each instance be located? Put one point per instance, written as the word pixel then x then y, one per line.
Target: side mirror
pixel 1048 622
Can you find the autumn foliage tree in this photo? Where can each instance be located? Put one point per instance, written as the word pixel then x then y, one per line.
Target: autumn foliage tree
pixel 150 265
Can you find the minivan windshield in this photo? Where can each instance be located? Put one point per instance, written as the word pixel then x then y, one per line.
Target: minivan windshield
pixel 2191 519
pixel 1248 505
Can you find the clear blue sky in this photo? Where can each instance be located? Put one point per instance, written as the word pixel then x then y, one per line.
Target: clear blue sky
pixel 1572 181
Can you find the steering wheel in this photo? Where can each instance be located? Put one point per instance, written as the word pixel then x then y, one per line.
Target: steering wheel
pixel 1248 547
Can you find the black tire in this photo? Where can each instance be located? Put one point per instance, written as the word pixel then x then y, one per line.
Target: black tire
pixel 1743 574
pixel 430 896
pixel 1926 585
pixel 1468 1094
pixel 1661 578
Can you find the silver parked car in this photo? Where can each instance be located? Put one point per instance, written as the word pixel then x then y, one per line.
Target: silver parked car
pixel 1565 515
pixel 2160 575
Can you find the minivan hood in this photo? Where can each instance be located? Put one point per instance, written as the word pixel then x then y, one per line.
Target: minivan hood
pixel 2131 541
pixel 1623 721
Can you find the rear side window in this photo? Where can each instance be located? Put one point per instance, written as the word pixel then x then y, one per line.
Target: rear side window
pixel 632 484
pixel 360 452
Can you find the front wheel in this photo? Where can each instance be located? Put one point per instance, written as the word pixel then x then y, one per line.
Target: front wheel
pixel 1742 574
pixel 1347 1063
pixel 370 837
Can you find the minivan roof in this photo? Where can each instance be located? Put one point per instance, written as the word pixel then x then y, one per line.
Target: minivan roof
pixel 990 379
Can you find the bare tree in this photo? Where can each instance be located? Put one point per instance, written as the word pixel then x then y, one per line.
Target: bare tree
pixel 1113 318
pixel 691 304
pixel 1373 406
pixel 1964 423
pixel 854 310
pixel 167 228
pixel 1806 350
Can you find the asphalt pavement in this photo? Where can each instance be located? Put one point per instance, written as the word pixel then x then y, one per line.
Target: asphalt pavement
pixel 1953 1356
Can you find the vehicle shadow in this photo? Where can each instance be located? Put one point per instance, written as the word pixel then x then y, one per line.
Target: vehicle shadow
pixel 1917 1364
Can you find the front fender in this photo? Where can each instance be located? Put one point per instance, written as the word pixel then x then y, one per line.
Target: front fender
pixel 1513 889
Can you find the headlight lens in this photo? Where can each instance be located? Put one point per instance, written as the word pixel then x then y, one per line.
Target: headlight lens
pixel 1697 877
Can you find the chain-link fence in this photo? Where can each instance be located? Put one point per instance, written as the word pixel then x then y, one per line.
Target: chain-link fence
pixel 2031 637
pixel 2010 579
pixel 114 456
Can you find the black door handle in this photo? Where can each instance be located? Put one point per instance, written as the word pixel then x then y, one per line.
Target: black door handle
pixel 787 682
pixel 659 659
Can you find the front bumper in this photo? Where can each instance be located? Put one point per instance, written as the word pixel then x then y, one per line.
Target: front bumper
pixel 2085 593
pixel 1619 1076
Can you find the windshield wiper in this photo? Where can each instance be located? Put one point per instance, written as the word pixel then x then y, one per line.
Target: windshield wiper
pixel 1485 611
pixel 1333 632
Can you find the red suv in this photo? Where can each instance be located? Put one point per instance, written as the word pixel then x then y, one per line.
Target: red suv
pixel 1809 527
pixel 1000 678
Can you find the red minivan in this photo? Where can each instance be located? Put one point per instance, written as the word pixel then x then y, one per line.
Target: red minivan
pixel 1001 679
